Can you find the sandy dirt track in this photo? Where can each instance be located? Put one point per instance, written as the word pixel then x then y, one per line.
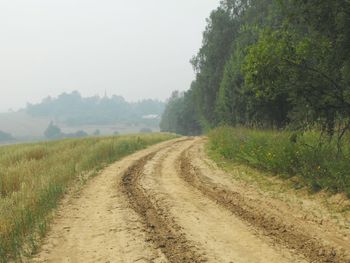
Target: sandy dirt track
pixel 170 203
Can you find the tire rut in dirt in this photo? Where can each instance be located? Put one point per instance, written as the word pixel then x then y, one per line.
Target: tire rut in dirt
pixel 271 226
pixel 162 231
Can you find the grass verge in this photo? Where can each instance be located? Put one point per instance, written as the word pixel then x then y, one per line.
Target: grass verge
pixel 34 177
pixel 318 166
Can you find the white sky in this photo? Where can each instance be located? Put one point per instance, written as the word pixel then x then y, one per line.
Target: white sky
pixel 137 49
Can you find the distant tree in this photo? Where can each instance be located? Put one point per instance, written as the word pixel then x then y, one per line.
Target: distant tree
pixel 180 115
pixel 53 132
pixel 97 132
pixel 4 136
pixel 170 117
pixel 80 134
pixel 116 133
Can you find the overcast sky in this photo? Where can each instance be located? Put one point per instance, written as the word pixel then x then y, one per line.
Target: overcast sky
pixel 137 49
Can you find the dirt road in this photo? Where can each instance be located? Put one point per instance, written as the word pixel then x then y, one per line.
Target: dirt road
pixel 170 203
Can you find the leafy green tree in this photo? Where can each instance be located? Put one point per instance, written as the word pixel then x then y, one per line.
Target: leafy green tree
pixel 78 134
pixel 53 132
pixel 302 66
pixel 270 63
pixel 188 119
pixel 97 132
pixel 170 117
pixel 210 61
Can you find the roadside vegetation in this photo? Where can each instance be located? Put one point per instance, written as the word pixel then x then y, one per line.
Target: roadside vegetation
pixel 319 166
pixel 34 177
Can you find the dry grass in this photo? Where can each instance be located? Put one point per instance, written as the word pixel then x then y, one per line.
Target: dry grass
pixel 34 177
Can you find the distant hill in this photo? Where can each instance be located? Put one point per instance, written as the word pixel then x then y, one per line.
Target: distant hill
pixel 72 113
pixel 74 110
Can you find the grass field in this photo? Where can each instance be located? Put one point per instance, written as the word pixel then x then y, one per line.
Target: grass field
pixel 317 166
pixel 34 177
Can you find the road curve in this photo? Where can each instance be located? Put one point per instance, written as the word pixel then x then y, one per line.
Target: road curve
pixel 168 203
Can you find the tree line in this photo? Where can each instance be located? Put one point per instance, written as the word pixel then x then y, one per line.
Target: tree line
pixel 269 64
pixel 72 109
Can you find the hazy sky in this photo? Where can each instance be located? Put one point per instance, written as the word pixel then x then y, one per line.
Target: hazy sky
pixel 137 49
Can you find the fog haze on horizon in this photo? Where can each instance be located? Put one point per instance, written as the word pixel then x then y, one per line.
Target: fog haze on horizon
pixel 136 49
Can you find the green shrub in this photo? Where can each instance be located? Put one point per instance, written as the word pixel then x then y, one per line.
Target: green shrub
pixel 318 164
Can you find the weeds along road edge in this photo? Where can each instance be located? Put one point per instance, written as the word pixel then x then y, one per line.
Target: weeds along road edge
pixel 275 228
pixel 161 229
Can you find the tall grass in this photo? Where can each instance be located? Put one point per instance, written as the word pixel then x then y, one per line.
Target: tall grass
pixel 318 165
pixel 34 177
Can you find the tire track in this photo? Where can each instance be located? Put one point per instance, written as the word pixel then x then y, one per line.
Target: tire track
pixel 162 205
pixel 97 223
pixel 216 233
pixel 287 235
pixel 161 228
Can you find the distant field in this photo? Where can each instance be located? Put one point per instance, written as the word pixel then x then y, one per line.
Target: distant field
pixel 34 177
pixel 20 124
pixel 27 128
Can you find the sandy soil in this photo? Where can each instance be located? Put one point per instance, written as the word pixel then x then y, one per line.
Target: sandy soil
pixel 170 203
